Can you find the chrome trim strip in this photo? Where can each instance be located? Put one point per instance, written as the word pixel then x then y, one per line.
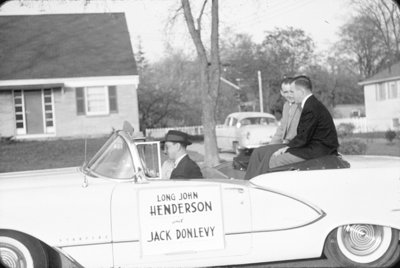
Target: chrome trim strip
pixel 316 209
pixel 99 243
pixel 279 230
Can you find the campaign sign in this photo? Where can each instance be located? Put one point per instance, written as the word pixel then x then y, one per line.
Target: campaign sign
pixel 180 219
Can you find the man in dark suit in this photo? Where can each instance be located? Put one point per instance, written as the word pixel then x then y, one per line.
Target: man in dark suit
pixel 287 130
pixel 316 132
pixel 175 147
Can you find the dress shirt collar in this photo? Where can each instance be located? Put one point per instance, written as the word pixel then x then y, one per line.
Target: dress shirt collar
pixel 179 160
pixel 304 100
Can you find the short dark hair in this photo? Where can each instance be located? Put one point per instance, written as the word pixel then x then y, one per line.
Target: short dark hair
pixel 286 80
pixel 303 81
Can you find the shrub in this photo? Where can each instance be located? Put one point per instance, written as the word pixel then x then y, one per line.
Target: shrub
pixel 390 135
pixel 345 130
pixel 353 147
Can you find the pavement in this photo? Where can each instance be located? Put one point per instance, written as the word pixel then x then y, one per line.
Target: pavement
pixel 199 148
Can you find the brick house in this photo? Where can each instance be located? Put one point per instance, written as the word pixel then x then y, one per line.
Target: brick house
pixel 66 75
pixel 382 99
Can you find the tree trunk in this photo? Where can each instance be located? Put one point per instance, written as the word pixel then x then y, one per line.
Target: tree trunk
pixel 209 74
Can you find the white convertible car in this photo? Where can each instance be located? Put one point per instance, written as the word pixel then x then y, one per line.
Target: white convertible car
pixel 116 212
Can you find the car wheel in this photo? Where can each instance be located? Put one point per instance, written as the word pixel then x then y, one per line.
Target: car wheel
pixel 363 245
pixel 21 251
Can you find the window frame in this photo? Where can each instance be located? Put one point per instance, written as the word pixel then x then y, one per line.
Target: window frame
pixel 107 101
pixel 110 94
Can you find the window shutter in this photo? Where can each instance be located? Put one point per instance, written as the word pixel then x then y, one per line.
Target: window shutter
pixel 112 95
pixel 80 101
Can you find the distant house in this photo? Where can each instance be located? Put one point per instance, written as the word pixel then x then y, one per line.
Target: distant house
pixel 65 75
pixel 382 99
pixel 349 111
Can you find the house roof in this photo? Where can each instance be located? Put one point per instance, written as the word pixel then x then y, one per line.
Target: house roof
pixel 65 46
pixel 392 73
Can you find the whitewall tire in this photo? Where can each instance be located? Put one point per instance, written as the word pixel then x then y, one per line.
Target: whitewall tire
pixel 20 251
pixel 363 245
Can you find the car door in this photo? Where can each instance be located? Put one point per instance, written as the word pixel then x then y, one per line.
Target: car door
pixel 226 134
pixel 181 222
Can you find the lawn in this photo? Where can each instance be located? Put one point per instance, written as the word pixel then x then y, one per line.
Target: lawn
pixel 30 155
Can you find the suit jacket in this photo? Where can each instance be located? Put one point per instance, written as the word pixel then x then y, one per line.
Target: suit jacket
pixel 316 132
pixel 186 169
pixel 287 130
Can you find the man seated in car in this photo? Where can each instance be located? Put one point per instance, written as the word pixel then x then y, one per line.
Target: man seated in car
pixel 175 147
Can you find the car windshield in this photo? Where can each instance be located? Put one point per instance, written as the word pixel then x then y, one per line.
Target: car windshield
pixel 256 121
pixel 115 160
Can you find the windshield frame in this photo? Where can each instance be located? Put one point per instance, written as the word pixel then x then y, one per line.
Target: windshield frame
pixel 87 168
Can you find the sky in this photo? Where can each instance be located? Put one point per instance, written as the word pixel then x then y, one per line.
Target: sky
pixel 152 23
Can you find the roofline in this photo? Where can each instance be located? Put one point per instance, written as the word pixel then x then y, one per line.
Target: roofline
pixel 58 13
pixel 73 81
pixel 379 80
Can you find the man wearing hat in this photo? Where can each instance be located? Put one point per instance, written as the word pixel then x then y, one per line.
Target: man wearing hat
pixel 175 147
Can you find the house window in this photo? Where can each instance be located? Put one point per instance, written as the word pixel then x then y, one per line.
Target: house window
pixel 396 123
pixel 99 100
pixel 19 111
pixel 380 91
pixel 393 90
pixel 48 107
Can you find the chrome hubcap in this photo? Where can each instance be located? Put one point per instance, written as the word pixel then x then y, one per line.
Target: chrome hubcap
pixel 362 240
pixel 364 243
pixel 11 257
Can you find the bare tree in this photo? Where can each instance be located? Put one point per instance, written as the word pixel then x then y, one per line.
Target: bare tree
pixel 385 16
pixel 209 73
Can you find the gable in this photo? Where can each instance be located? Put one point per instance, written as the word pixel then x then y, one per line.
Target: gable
pixel 388 74
pixel 65 46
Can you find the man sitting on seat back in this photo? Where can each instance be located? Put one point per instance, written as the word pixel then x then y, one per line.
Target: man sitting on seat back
pixel 316 132
pixel 259 160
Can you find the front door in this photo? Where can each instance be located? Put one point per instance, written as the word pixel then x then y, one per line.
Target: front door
pixel 34 112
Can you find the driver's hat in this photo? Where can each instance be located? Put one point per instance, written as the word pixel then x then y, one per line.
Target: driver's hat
pixel 177 136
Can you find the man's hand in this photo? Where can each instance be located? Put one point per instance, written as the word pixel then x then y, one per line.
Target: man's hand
pixel 281 151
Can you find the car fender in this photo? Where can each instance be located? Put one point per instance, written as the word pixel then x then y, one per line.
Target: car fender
pixel 369 195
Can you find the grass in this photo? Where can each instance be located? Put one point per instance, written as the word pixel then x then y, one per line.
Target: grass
pixel 32 155
pixel 383 147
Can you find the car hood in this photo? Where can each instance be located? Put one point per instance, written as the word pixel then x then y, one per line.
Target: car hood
pixel 40 178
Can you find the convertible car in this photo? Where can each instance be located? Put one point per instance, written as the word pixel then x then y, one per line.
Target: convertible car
pixel 115 211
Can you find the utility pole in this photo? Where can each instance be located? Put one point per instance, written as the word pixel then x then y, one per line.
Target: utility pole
pixel 260 92
pixel 238 92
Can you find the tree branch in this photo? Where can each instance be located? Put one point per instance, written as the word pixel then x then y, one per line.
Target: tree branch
pixel 195 34
pixel 200 15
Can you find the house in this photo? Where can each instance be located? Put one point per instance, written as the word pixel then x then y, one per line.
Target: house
pixel 382 99
pixel 348 111
pixel 66 75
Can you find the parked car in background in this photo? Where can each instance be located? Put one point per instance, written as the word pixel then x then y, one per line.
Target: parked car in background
pixel 246 130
